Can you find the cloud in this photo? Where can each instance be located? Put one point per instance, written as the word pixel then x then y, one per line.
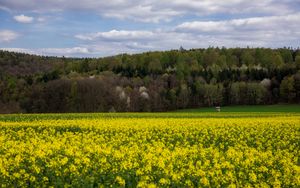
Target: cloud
pixel 142 13
pixel 131 40
pixel 7 35
pixel 115 35
pixel 41 19
pixel 23 19
pixel 268 31
pixel 65 51
pixel 187 23
pixel 157 10
pixel 208 7
pixel 270 23
pixel 135 41
pixel 73 51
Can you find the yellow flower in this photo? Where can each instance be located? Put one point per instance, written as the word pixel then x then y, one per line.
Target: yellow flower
pixel 64 161
pixel 17 175
pixel 45 179
pixel 165 149
pixel 120 181
pixel 204 181
pixel 32 178
pixel 252 177
pixel 163 181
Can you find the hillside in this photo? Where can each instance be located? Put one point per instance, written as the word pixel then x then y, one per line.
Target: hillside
pixel 153 81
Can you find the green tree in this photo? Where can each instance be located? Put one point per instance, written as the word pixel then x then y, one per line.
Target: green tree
pixel 277 61
pixel 84 66
pixel 213 94
pixel 255 93
pixel 287 89
pixel 247 58
pixel 73 100
pixel 183 96
pixel 286 55
pixel 155 66
pixel 234 93
pixel 297 61
pixel 297 85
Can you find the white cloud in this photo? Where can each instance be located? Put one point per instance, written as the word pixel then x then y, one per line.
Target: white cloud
pixel 263 23
pixel 135 41
pixel 142 13
pixel 270 23
pixel 272 31
pixel 64 51
pixel 23 19
pixel 157 10
pixel 41 19
pixel 115 35
pixel 269 31
pixel 7 35
pixel 73 51
pixel 207 7
pixel 121 41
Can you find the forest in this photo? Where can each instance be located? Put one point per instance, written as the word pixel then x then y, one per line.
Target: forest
pixel 150 81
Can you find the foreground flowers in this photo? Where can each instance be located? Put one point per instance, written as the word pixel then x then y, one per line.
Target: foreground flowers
pixel 149 150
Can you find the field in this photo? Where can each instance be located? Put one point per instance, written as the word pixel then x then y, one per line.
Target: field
pixel 150 150
pixel 248 108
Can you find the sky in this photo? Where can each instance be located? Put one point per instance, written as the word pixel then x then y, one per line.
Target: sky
pixel 97 28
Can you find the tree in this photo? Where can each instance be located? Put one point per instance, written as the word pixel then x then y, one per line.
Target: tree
pixel 297 61
pixel 183 96
pixel 221 62
pixel 277 62
pixel 247 58
pixel 234 94
pixel 210 57
pixel 73 100
pixel 174 79
pixel 154 66
pixel 194 67
pixel 286 55
pixel 297 85
pixel 56 94
pixel 213 94
pixel 255 93
pixel 84 66
pixel 287 89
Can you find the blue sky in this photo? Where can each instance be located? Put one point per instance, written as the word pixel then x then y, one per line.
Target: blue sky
pixel 96 28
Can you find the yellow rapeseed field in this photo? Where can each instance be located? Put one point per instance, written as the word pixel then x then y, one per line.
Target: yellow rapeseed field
pixel 150 150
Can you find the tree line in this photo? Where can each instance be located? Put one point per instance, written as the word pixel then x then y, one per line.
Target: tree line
pixel 152 81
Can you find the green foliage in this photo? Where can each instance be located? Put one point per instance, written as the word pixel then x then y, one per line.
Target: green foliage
pixel 255 93
pixel 175 79
pixel 297 61
pixel 213 95
pixel 287 89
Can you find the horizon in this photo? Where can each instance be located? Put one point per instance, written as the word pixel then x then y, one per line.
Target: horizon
pixel 138 53
pixel 95 29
